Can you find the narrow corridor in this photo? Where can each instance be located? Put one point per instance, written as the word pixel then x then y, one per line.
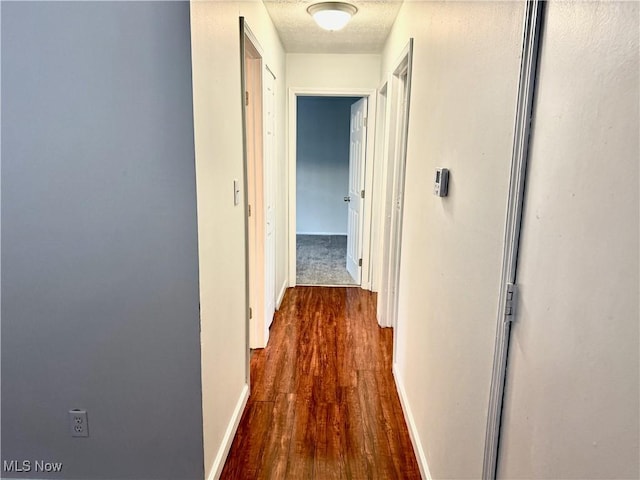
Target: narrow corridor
pixel 323 401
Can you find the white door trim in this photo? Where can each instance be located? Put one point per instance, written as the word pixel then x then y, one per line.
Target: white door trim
pixel 381 136
pixel 402 86
pixel 383 167
pixel 269 175
pixel 532 31
pixel 394 164
pixel 245 197
pixel 294 93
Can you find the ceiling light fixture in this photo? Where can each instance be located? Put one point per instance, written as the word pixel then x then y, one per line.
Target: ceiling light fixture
pixel 332 15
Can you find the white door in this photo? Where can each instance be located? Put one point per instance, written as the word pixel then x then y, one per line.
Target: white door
pixel 269 197
pixel 357 143
pixel 393 193
pixel 398 202
pixel 256 210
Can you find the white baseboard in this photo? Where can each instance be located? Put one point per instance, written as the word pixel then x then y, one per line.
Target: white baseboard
pixel 342 234
pixel 227 440
pixel 281 295
pixel 413 429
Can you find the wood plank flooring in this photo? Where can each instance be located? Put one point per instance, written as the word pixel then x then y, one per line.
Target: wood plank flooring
pixel 323 401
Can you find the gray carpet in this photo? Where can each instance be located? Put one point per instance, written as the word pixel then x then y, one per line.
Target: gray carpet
pixel 322 260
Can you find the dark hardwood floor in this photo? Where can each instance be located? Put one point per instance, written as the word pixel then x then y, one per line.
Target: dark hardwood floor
pixel 323 401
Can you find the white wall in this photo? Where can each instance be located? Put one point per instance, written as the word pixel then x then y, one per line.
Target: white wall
pixel 218 140
pixel 322 170
pixel 333 71
pixel 464 87
pixel 571 405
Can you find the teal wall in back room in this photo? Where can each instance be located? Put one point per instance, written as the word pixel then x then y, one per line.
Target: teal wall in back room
pixel 322 164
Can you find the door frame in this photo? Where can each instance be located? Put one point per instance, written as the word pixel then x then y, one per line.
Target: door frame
pixel 255 187
pixel 270 157
pixel 531 41
pixel 254 162
pixel 394 159
pixel 379 175
pixel 292 100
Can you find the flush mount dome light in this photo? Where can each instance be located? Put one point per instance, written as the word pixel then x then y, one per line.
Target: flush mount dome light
pixel 332 15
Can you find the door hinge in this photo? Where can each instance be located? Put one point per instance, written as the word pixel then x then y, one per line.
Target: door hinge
pixel 361 193
pixel 366 121
pixel 250 313
pixel 360 262
pixel 249 209
pixel 246 97
pixel 510 302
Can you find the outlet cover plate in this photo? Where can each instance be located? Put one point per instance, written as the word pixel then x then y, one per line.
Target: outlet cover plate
pixel 78 423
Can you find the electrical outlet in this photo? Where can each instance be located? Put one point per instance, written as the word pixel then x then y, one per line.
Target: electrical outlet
pixel 78 423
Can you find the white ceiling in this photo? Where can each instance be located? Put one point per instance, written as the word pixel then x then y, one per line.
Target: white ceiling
pixel 365 33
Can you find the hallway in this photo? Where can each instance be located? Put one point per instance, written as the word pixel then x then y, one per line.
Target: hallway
pixel 323 401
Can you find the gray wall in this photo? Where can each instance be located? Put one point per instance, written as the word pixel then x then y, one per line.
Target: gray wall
pixel 322 164
pixel 99 249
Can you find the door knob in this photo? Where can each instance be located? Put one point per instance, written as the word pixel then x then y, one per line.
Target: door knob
pixel 347 199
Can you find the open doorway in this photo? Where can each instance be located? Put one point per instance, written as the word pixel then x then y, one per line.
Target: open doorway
pixel 329 140
pixel 358 187
pixel 395 93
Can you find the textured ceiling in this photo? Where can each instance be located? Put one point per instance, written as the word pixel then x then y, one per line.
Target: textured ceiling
pixel 365 33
